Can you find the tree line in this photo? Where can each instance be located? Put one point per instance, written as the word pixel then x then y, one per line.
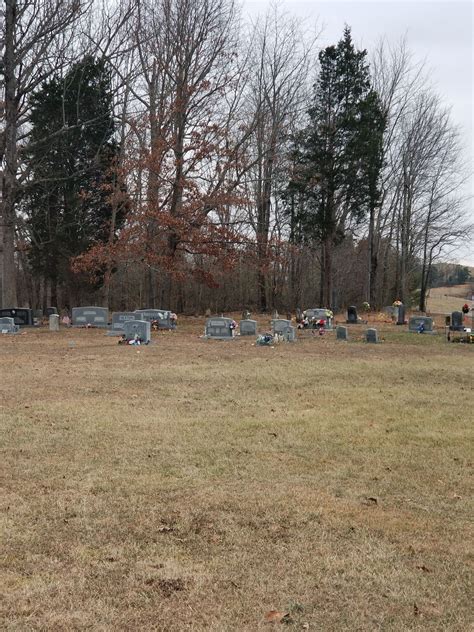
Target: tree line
pixel 171 153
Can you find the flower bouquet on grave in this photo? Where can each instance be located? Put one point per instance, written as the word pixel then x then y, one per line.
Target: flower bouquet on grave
pixel 233 325
pixel 329 313
pixel 465 308
pixel 366 306
pixel 397 303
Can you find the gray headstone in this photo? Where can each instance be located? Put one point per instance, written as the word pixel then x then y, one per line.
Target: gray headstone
pixel 54 322
pixel 23 316
pixel 90 316
pixel 118 320
pixel 416 322
pixel 140 328
pixel 280 325
pixel 341 333
pixel 457 321
pixel 160 316
pixel 7 325
pixel 352 317
pixel 248 327
pixel 319 313
pixel 371 335
pixel 284 328
pixel 401 315
pixel 219 328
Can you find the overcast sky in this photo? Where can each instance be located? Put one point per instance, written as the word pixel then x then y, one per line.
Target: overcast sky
pixel 438 32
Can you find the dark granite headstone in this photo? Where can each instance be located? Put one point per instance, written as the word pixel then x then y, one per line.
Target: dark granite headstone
pixel 50 310
pixel 371 335
pixel 401 315
pixel 22 316
pixel 352 318
pixel 457 321
pixel 341 333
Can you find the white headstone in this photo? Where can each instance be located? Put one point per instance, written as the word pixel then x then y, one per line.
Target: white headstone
pixel 54 322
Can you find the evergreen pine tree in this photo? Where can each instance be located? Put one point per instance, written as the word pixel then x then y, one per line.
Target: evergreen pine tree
pixel 338 155
pixel 71 154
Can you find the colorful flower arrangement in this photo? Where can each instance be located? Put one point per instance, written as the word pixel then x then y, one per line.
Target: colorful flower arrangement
pixel 233 325
pixel 329 313
pixel 366 306
pixel 465 308
pixel 397 303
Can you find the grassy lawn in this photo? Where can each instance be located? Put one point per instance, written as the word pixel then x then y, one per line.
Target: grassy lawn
pixel 197 485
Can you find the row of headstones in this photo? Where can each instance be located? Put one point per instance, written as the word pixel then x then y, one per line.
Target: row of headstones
pixel 371 335
pixel 221 328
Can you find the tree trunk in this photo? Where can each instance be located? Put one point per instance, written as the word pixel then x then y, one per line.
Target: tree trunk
pixel 9 293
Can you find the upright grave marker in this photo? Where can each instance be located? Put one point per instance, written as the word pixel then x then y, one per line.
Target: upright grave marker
pixel 401 315
pixel 352 318
pixel 319 313
pixel 371 335
pixel 137 330
pixel 54 322
pixel 341 333
pixel 23 316
pixel 284 328
pixel 421 324
pixel 90 316
pixel 248 327
pixel 457 321
pixel 219 328
pixel 118 321
pixel 7 325
pixel 161 316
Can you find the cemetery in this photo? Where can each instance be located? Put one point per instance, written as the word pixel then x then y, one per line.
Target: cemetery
pixel 175 467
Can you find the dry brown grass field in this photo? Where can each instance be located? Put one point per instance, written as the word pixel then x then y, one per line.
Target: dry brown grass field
pixel 198 485
pixel 448 299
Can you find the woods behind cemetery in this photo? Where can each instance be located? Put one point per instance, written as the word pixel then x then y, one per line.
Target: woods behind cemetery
pixel 177 154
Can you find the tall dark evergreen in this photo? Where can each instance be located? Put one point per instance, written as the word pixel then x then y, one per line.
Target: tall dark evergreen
pixel 71 155
pixel 338 158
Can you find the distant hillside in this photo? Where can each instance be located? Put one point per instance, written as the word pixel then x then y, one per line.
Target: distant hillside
pixel 443 300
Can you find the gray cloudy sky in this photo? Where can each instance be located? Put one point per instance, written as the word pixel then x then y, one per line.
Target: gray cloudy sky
pixel 438 32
